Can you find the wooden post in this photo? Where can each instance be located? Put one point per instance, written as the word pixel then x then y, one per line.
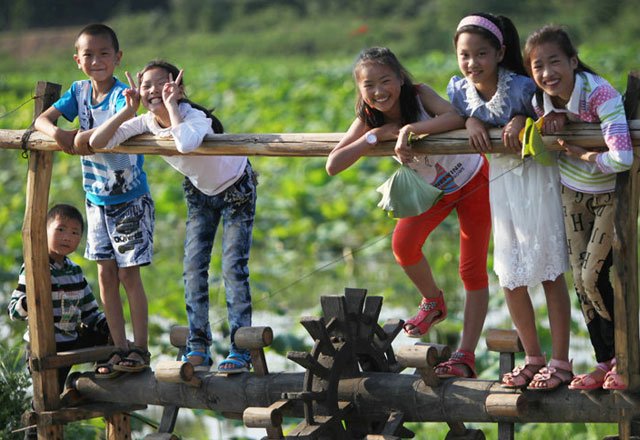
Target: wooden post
pixel 625 263
pixel 46 395
pixel 118 427
pixel 507 343
pixel 625 258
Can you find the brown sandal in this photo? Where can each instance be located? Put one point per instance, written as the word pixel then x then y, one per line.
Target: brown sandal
pixel 552 376
pixel 134 364
pixel 109 365
pixel 521 375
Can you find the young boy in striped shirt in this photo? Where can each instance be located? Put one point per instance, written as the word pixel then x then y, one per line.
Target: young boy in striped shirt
pixel 77 321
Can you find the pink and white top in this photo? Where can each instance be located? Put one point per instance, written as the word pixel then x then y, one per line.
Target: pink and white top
pixel 594 100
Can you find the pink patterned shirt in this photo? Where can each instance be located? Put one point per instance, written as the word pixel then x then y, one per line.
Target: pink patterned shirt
pixel 594 100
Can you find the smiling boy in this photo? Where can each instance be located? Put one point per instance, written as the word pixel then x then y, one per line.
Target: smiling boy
pixel 120 211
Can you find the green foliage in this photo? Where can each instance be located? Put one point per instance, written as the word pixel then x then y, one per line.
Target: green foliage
pixel 285 66
pixel 14 385
pixel 313 233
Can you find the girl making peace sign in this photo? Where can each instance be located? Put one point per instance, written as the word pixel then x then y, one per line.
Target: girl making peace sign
pixel 216 188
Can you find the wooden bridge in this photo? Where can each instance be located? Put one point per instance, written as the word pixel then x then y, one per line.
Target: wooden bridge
pixel 351 388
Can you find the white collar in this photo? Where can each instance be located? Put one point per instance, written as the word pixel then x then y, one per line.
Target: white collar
pixel 573 105
pixel 497 101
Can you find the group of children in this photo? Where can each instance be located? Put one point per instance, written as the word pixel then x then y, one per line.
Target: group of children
pixel 544 217
pixel 120 212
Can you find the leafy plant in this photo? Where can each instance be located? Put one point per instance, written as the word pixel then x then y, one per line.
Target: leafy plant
pixel 14 389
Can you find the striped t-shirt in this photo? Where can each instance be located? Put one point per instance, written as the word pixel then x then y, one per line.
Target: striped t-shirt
pixel 108 179
pixel 73 301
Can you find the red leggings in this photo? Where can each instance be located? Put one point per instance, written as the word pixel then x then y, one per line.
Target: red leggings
pixel 474 215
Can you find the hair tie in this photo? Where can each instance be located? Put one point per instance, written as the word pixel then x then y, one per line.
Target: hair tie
pixel 485 23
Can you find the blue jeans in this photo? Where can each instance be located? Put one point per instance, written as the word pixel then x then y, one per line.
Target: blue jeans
pixel 236 206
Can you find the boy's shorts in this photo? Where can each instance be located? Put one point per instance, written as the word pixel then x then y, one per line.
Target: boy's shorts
pixel 122 232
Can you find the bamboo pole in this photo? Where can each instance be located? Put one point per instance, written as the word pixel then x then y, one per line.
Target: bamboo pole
pixel 373 397
pixel 46 395
pixel 317 144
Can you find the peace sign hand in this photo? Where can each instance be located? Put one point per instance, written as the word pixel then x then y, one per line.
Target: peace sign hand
pixel 172 91
pixel 132 94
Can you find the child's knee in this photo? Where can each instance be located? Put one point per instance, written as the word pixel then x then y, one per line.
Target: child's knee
pixel 108 272
pixel 407 258
pixel 406 254
pixel 130 277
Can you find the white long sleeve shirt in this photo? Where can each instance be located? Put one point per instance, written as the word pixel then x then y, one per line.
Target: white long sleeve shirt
pixel 210 174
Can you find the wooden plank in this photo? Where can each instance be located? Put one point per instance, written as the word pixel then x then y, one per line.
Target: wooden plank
pixel 625 257
pixel 84 412
pixel 503 341
pixel 318 144
pixel 46 395
pixel 72 357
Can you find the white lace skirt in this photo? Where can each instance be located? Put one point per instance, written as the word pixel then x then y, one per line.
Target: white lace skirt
pixel 528 226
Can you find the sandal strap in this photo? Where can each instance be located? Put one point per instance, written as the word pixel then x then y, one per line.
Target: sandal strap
pixel 561 365
pixel 206 357
pixel 535 360
pixel 532 365
pixel 243 356
pixel 238 359
pixel 429 304
pixel 121 353
pixel 604 366
pixel 463 356
pixel 144 354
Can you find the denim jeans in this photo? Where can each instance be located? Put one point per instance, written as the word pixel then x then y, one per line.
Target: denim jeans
pixel 236 207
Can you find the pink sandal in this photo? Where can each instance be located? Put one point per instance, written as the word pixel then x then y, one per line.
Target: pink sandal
pixel 451 367
pixel 588 381
pixel 427 307
pixel 521 375
pixel 552 376
pixel 613 380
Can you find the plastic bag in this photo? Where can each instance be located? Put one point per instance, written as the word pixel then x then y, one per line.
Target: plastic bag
pixel 406 194
pixel 532 144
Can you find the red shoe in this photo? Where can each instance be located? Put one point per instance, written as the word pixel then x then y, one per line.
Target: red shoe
pixel 427 308
pixel 451 368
